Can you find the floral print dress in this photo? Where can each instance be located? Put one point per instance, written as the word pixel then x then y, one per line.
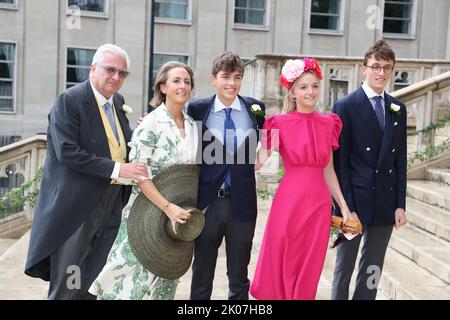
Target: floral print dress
pixel 157 142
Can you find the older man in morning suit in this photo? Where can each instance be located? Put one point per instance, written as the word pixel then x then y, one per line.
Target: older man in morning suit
pixel 80 202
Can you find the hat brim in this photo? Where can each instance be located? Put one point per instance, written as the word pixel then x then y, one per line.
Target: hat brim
pixel 151 243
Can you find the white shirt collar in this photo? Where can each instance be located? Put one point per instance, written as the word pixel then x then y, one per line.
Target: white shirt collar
pixel 100 97
pixel 218 105
pixel 369 91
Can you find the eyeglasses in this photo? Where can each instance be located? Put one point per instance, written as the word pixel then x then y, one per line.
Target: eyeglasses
pixel 377 69
pixel 111 71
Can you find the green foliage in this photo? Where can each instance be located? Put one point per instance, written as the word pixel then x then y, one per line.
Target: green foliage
pixel 15 199
pixel 428 153
pixel 264 194
pixel 433 127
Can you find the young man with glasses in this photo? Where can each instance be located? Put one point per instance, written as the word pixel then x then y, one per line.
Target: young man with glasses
pixel 80 203
pixel 371 167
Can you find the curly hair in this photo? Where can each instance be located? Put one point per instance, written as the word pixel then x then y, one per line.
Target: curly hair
pixel 380 50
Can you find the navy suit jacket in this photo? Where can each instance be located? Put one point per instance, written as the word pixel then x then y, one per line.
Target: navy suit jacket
pixel 212 175
pixel 77 172
pixel 371 163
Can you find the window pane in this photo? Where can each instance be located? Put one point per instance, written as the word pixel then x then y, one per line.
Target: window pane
pixel 171 10
pixel 255 17
pixel 325 6
pixel 396 26
pixel 397 11
pixel 324 22
pixel 239 16
pixel 77 75
pixel 89 5
pixel 78 65
pixel 6 104
pixel 160 59
pixel 7 1
pixel 250 12
pixel 6 52
pixel 6 70
pixel 80 57
pixel 257 4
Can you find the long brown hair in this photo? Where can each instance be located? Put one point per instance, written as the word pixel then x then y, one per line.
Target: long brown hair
pixel 161 78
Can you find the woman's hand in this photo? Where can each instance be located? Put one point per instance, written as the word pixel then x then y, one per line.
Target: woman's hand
pixel 176 214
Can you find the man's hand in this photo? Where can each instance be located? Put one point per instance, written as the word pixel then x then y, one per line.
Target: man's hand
pixel 135 171
pixel 400 218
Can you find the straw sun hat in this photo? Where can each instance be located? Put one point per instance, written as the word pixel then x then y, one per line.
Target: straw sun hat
pixel 150 233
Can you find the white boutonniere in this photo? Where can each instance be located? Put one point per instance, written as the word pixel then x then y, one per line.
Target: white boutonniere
pixel 395 108
pixel 256 109
pixel 127 108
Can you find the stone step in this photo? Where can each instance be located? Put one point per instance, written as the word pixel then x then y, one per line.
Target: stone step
pixel 444 132
pixel 404 280
pixel 439 175
pixel 438 140
pixel 5 244
pixel 429 218
pixel 14 284
pixel 425 249
pixel 429 192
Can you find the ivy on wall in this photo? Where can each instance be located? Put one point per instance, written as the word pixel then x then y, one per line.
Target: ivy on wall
pixel 15 199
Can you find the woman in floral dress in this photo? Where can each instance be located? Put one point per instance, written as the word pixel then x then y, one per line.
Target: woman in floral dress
pixel 165 137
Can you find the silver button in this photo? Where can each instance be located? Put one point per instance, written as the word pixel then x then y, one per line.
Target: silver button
pixel 367 149
pixel 376 171
pixel 393 150
pixel 395 123
pixel 390 171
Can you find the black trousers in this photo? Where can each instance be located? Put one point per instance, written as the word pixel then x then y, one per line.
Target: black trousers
pixel 219 224
pixel 76 264
pixel 375 243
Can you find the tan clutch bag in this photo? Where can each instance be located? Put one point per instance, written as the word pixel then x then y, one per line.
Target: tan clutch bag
pixel 351 226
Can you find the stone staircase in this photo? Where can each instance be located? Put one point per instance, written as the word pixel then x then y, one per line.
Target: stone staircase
pixel 417 264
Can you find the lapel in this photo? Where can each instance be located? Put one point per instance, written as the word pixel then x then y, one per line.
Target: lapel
pixel 207 112
pixel 249 111
pixel 388 129
pixel 366 112
pixel 95 120
pixel 122 119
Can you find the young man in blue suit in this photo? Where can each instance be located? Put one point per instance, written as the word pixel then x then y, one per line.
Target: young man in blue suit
pixel 371 167
pixel 227 188
pixel 80 203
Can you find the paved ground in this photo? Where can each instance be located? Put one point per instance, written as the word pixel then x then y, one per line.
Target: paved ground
pixel 220 289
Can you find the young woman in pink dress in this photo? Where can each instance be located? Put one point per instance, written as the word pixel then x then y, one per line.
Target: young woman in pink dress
pixel 297 232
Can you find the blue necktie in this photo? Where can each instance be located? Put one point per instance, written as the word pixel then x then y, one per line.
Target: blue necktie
pixel 230 142
pixel 109 113
pixel 379 111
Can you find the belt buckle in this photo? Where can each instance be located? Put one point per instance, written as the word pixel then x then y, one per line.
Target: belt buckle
pixel 221 193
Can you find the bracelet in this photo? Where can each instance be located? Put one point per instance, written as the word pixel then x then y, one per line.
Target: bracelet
pixel 166 206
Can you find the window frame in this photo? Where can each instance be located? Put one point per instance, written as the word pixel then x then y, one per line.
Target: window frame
pixel 92 14
pixel 340 25
pixel 187 21
pixel 10 6
pixel 14 81
pixel 256 27
pixel 188 56
pixel 413 23
pixel 66 65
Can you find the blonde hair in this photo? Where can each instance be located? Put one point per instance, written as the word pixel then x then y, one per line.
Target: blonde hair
pixel 289 104
pixel 161 78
